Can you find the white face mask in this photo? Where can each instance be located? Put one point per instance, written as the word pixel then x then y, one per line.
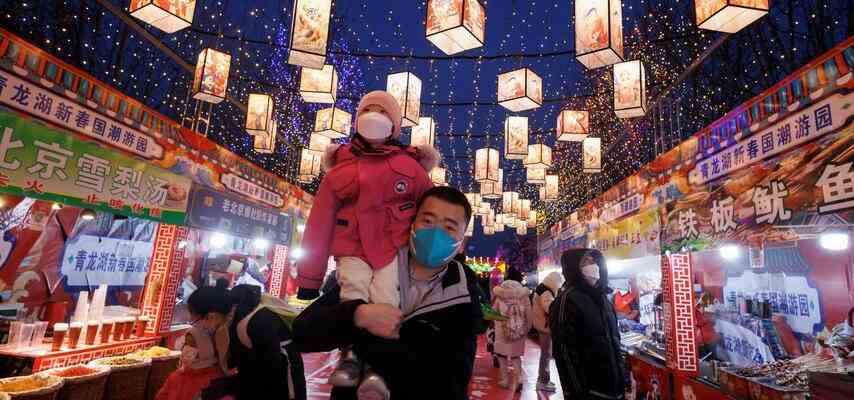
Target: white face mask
pixel 590 272
pixel 375 127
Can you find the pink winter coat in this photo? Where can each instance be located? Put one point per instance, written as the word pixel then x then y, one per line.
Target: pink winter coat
pixel 364 207
pixel 508 296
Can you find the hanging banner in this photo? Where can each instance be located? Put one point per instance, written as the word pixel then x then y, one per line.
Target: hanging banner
pixel 40 162
pixel 212 210
pixel 635 236
pixel 251 190
pixel 789 296
pixel 622 208
pixel 95 260
pixel 742 345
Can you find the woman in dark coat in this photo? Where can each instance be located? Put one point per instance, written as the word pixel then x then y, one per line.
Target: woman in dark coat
pixel 585 338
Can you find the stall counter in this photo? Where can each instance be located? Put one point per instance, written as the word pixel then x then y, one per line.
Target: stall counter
pixel 42 358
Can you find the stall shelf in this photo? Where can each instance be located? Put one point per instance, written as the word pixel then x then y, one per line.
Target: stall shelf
pixel 42 358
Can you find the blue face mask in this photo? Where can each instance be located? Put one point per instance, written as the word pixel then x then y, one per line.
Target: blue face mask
pixel 433 247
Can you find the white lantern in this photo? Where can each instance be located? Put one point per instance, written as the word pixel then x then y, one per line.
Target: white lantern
pixel 406 89
pixel 516 138
pixel 551 190
pixel 510 203
pixel 522 228
pixel 489 218
pixel 309 164
pixel 483 210
pixel 591 156
pixel 169 16
pixel 210 79
pixel 423 134
pixel 629 89
pixel 525 210
pixel 598 32
pixel 309 33
pixel 333 123
pixel 474 200
pixel 265 143
pixel 486 162
pixel 319 85
pixel 470 227
pixel 539 156
pixel 532 219
pixel 572 125
pixel 318 142
pixel 488 230
pixel 492 190
pixel 729 15
pixel 520 90
pixel 437 175
pixel 542 191
pixel 499 222
pixel 509 219
pixel 536 176
pixel 259 113
pixel 455 25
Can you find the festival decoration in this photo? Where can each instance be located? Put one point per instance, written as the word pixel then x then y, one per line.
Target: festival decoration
pixel 499 222
pixel 493 190
pixel 536 176
pixel 542 191
pixel 474 200
pixel 551 190
pixel 169 16
pixel 423 134
pixel 210 78
pixel 319 85
pixel 520 90
pixel 511 203
pixel 470 227
pixel 539 156
pixel 486 162
pixel 525 209
pixel 318 142
pixel 489 219
pixel 484 209
pixel 515 138
pixel 406 89
pixel 259 114
pixel 591 157
pixel 265 143
pixel 455 25
pixel 532 219
pixel 310 33
pixel 488 230
pixel 729 15
pixel 629 89
pixel 521 228
pixel 598 32
pixel 572 125
pixel 333 123
pixel 309 166
pixel 437 175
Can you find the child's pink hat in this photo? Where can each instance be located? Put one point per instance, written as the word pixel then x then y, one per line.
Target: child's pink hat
pixel 387 102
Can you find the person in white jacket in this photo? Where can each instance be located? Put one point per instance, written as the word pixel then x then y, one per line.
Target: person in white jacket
pixel 544 294
pixel 511 300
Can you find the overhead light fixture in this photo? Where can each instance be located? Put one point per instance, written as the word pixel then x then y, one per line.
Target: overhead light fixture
pixel 729 251
pixel 88 214
pixel 261 243
pixel 56 207
pixel 834 241
pixel 218 240
pixel 297 253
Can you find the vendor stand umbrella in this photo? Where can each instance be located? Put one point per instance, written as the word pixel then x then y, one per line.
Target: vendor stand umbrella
pixel 405 87
pixel 598 32
pixel 493 190
pixel 333 123
pixel 630 89
pixel 539 156
pixel 572 126
pixel 259 113
pixel 515 138
pixel 423 134
pixel 455 26
pixel 318 142
pixel 591 155
pixel 319 85
pixel 169 16
pixel 728 15
pixel 486 161
pixel 310 33
pixel 210 79
pixel 520 90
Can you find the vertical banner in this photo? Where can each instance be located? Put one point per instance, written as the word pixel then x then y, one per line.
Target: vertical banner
pixel 678 290
pixel 277 275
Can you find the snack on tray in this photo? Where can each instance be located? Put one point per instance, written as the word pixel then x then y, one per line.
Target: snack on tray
pixel 28 383
pixel 152 352
pixel 75 371
pixel 119 361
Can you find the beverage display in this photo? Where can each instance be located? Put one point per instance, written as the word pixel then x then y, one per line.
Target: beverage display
pixel 74 330
pixel 92 332
pixel 106 330
pixel 141 324
pixel 128 327
pixel 118 329
pixel 59 331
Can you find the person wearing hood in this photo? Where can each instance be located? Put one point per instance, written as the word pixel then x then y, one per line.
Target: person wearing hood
pixel 544 295
pixel 511 300
pixel 583 324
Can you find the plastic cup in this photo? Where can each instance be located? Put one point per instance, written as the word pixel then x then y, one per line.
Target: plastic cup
pixel 141 324
pixel 118 329
pixel 14 334
pixel 74 330
pixel 128 323
pixel 59 331
pixel 92 332
pixel 38 335
pixel 26 335
pixel 106 330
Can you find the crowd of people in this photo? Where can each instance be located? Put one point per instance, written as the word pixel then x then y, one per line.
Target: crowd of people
pixel 403 308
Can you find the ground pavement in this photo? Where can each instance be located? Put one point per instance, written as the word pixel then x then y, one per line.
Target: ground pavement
pixel 484 383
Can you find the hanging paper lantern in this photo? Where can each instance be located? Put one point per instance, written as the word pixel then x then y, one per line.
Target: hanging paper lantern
pixel 319 85
pixel 510 203
pixel 551 190
pixel 210 78
pixel 591 156
pixel 169 16
pixel 492 190
pixel 406 89
pixel 309 33
pixel 484 209
pixel 572 125
pixel 318 142
pixel 437 175
pixel 539 156
pixel 629 89
pixel 729 15
pixel 470 227
pixel 488 230
pixel 520 90
pixel 333 123
pixel 509 219
pixel 265 143
pixel 536 176
pixel 525 209
pixel 598 32
pixel 499 222
pixel 522 228
pixel 259 113
pixel 309 165
pixel 455 25
pixel 474 200
pixel 489 219
pixel 532 219
pixel 516 138
pixel 542 191
pixel 423 134
pixel 486 165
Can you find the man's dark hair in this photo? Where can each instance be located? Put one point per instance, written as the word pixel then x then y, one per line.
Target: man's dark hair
pixel 449 194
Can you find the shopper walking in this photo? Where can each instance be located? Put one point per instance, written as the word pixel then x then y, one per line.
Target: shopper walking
pixel 544 295
pixel 511 300
pixel 584 330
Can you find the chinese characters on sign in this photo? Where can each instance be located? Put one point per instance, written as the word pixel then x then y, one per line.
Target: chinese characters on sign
pixel 94 260
pixel 224 212
pixel 622 208
pixel 251 190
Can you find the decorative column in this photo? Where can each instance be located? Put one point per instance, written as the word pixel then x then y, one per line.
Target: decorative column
pixel 164 275
pixel 678 292
pixel 280 264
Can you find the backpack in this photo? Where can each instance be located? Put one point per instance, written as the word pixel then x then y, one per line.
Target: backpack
pixel 515 327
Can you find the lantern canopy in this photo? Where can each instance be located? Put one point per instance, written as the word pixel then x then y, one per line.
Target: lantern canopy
pixel 333 123
pixel 405 87
pixel 319 85
pixel 492 190
pixel 629 89
pixel 536 176
pixel 486 165
pixel 525 209
pixel 591 156
pixel 455 25
pixel 210 79
pixel 516 138
pixel 265 143
pixel 551 190
pixel 169 16
pixel 309 165
pixel 309 33
pixel 423 134
pixel 259 113
pixel 318 142
pixel 598 32
pixel 437 175
pixel 729 15
pixel 539 156
pixel 520 90
pixel 572 125
pixel 510 203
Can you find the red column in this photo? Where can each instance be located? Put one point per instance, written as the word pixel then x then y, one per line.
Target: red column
pixel 279 269
pixel 678 290
pixel 164 273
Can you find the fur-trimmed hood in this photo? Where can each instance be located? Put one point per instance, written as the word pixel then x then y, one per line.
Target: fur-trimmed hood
pixel 510 290
pixel 427 156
